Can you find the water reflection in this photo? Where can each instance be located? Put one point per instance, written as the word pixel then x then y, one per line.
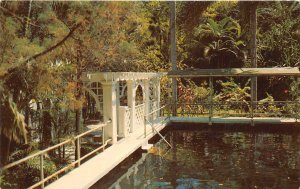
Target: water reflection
pixel 210 159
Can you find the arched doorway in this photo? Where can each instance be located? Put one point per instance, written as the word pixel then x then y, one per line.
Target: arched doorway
pixel 92 109
pixel 139 106
pixel 139 96
pixel 123 93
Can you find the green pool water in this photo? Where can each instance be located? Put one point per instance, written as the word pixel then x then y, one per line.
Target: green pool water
pixel 211 159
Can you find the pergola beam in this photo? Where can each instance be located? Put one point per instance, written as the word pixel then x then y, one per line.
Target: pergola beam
pixel 120 76
pixel 235 72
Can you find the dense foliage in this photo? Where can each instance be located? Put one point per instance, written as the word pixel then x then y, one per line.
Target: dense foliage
pixel 46 46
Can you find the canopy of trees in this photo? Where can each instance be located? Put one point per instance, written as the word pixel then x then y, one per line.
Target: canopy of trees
pixel 46 46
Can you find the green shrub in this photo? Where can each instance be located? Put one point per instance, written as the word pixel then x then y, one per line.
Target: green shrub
pixel 234 96
pixel 267 106
pixel 28 173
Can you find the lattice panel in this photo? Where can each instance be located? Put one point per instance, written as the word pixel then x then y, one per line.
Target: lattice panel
pixel 127 120
pixel 139 114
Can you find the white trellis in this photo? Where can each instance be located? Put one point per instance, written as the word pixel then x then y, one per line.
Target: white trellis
pixel 139 114
pixel 124 121
pixel 117 99
pixel 154 96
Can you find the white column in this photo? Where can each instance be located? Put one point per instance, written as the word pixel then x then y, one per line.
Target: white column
pixel 211 92
pixel 131 103
pixel 118 105
pixel 147 97
pixel 110 110
pixel 157 88
pixel 158 92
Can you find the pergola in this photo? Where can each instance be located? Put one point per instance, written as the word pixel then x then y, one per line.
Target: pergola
pixel 235 72
pixel 107 88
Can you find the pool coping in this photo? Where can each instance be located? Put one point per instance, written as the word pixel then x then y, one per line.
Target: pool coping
pixel 240 120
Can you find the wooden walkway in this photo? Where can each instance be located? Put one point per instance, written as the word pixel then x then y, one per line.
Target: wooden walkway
pixel 97 167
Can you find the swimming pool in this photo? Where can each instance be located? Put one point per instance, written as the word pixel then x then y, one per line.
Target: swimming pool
pixel 213 158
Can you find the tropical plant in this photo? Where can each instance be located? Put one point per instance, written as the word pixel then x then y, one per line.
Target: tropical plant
pixel 12 127
pixel 222 44
pixel 293 109
pixel 234 95
pixel 267 106
pixel 279 36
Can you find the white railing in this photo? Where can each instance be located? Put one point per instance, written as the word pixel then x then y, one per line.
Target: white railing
pixel 151 122
pixel 248 109
pixel 43 153
pixel 139 115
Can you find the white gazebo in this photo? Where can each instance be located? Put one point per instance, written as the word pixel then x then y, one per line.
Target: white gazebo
pixel 116 95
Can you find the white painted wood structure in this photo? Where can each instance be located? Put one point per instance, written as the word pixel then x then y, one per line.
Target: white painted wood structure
pixel 111 90
pixel 245 72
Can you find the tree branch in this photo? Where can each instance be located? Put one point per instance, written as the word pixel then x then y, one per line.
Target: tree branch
pixel 22 20
pixel 54 46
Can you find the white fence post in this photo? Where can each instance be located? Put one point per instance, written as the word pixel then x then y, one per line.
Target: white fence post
pixel 131 102
pixel 147 97
pixel 110 110
pixel 158 95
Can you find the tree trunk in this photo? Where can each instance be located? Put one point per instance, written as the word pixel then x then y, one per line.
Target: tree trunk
pixel 77 127
pixel 78 120
pixel 28 18
pixel 78 97
pixel 5 144
pixel 28 121
pixel 47 125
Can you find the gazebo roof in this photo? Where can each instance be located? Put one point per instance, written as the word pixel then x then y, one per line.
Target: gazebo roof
pixel 120 76
pixel 285 71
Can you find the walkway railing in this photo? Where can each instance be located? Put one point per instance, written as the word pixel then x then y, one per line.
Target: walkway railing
pixel 250 109
pixel 152 115
pixel 77 162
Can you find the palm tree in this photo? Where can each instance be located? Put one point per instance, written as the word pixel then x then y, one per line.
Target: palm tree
pixel 223 46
